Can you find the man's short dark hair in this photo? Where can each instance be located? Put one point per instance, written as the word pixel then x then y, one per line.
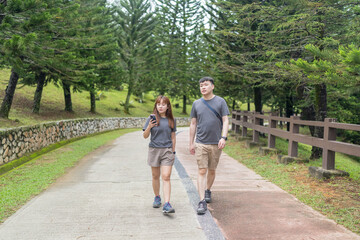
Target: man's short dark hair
pixel 204 79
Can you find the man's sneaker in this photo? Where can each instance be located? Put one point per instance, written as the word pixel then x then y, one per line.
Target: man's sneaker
pixel 157 202
pixel 168 208
pixel 208 196
pixel 202 207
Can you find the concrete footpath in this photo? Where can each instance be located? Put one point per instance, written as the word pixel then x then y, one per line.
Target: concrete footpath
pixel 108 196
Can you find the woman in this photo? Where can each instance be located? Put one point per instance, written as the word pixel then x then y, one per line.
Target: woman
pixel 162 127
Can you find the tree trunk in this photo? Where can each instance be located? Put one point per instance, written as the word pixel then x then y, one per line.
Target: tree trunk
pixel 38 92
pixel 248 104
pixel 9 95
pixel 258 105
pixel 127 101
pixel 257 99
pixel 92 101
pixel 233 105
pixel 67 97
pixel 184 105
pixel 320 115
pixel 307 112
pixel 289 106
pixel 2 15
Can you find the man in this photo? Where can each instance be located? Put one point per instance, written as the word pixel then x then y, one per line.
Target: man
pixel 209 120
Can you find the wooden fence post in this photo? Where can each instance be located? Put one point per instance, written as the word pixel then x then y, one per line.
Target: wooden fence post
pixel 238 117
pixel 328 156
pixel 293 146
pixel 244 120
pixel 233 116
pixel 256 133
pixel 272 124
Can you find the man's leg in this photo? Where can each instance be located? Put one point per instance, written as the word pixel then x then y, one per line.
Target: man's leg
pixel 210 178
pixel 202 161
pixel 214 157
pixel 201 182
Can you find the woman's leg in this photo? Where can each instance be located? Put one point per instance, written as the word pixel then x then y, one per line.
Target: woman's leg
pixel 156 180
pixel 165 175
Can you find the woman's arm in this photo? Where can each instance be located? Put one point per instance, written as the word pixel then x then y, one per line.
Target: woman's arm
pixel 173 139
pixel 146 133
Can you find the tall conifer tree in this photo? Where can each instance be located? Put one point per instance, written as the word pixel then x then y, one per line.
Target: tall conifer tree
pixel 135 24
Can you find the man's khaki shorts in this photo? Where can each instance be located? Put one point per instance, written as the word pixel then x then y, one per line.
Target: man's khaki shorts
pixel 207 155
pixel 160 157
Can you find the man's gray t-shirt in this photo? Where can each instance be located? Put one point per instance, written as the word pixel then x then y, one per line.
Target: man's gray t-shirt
pixel 160 135
pixel 208 126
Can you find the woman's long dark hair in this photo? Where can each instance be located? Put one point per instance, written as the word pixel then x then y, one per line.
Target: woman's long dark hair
pixel 169 114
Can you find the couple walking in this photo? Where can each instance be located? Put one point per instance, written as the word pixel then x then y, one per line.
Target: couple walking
pixel 209 123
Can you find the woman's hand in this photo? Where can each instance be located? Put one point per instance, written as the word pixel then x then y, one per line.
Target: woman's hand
pixel 152 123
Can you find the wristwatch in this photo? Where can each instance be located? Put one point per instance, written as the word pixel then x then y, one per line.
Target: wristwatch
pixel 224 138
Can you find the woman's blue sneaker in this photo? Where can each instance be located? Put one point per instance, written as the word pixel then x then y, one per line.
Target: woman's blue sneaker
pixel 168 208
pixel 157 202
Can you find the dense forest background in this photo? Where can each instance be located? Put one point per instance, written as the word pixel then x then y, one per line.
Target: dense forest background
pixel 295 56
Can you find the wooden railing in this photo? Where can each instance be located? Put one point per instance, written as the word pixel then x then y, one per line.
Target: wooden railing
pixel 245 120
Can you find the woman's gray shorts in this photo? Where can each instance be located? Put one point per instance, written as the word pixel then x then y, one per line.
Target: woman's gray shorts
pixel 160 157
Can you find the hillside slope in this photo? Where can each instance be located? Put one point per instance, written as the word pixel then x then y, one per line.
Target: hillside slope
pixel 52 105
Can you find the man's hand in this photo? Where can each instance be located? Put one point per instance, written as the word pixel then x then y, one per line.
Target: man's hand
pixel 221 143
pixel 192 149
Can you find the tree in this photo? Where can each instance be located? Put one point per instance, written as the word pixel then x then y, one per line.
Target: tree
pixel 182 47
pixel 96 48
pixel 13 46
pixel 135 24
pixel 34 44
pixel 239 30
pixel 324 34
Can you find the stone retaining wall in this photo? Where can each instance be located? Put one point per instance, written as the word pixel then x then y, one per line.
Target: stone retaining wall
pixel 15 142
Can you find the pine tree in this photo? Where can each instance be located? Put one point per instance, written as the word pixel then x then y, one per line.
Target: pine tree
pixel 135 24
pixel 96 47
pixel 34 43
pixel 182 47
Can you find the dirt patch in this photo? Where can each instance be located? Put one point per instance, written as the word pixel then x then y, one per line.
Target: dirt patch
pixel 339 191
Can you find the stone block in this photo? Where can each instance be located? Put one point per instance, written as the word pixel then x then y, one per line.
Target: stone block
pixel 266 150
pixel 233 134
pixel 241 138
pixel 320 173
pixel 251 144
pixel 287 159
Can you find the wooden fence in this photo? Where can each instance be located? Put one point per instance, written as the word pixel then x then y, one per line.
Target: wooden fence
pixel 245 120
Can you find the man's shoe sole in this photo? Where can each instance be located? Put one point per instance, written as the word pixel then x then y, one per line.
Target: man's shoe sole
pixel 201 213
pixel 208 200
pixel 156 206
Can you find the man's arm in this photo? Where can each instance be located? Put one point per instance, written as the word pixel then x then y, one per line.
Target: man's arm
pixel 225 128
pixel 224 131
pixel 192 135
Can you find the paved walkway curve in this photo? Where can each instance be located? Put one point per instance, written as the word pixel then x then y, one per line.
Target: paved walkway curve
pixel 108 196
